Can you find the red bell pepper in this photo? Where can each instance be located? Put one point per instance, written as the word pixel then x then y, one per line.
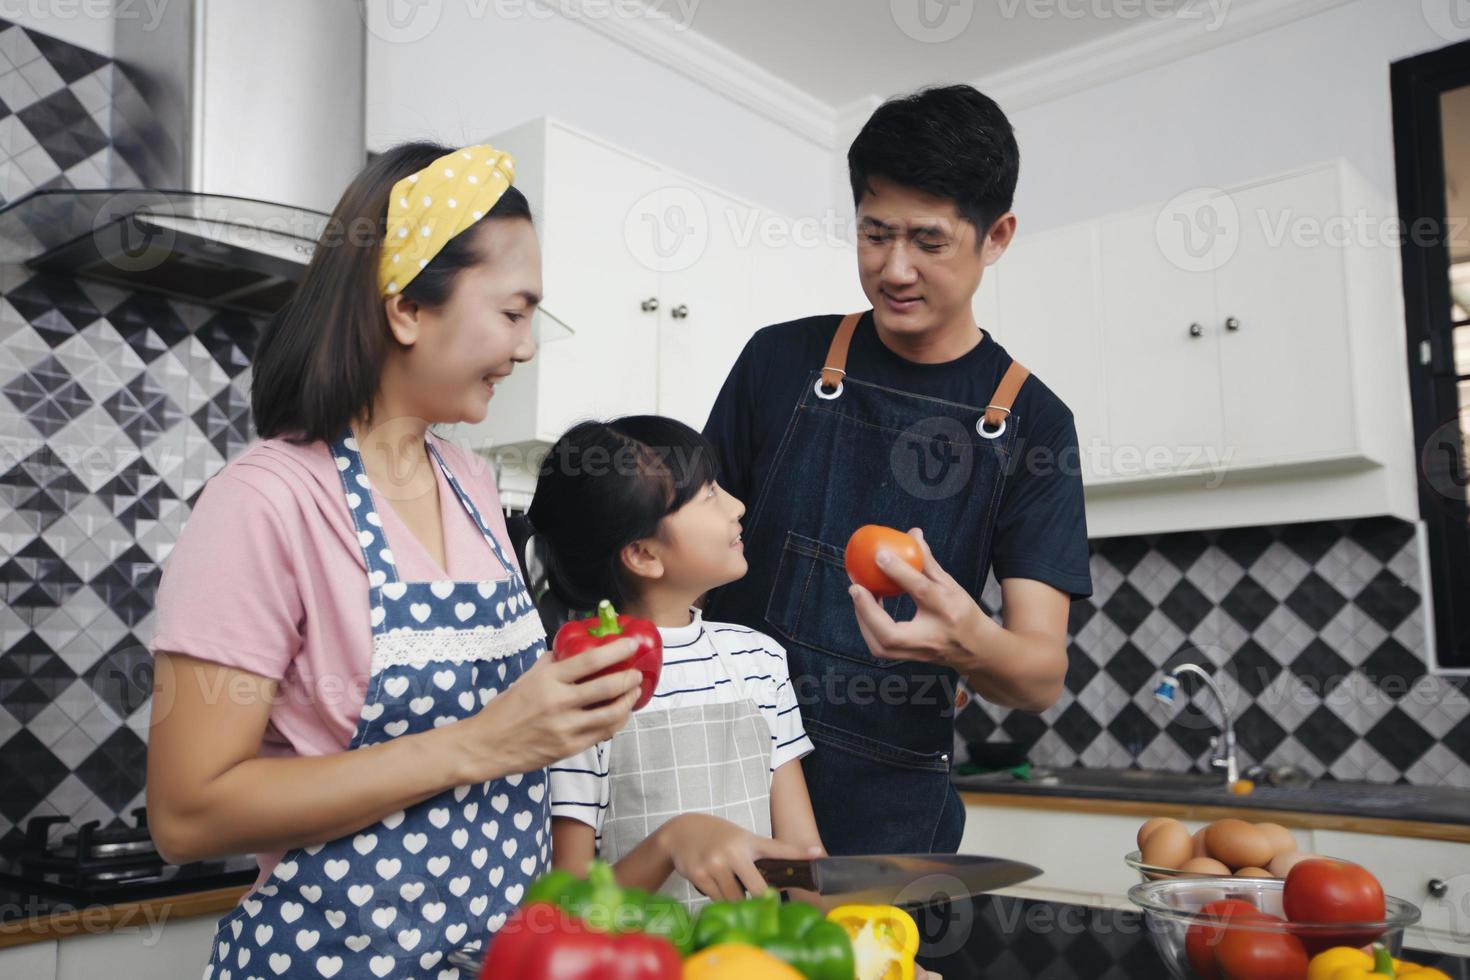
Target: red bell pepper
pixel 541 942
pixel 606 626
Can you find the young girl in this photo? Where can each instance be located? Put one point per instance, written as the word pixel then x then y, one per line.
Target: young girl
pixel 706 778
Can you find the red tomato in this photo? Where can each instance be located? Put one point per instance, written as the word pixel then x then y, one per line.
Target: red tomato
pixel 861 557
pixel 1327 890
pixel 1200 941
pixel 1251 954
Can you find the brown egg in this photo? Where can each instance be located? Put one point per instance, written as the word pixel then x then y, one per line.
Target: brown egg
pixel 1150 825
pixel 1168 846
pixel 1279 837
pixel 1237 844
pixel 1282 864
pixel 1253 873
pixel 1204 866
pixel 1199 843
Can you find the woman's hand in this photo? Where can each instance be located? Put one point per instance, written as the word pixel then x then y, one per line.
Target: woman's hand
pixel 547 715
pixel 719 857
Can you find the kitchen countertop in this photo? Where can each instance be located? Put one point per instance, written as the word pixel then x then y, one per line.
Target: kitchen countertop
pixel 1430 812
pixel 988 936
pixel 1004 937
pixel 38 920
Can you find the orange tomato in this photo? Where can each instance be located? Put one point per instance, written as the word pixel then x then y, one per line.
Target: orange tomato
pixel 861 557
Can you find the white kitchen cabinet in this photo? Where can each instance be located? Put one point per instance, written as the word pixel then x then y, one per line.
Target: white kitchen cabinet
pixel 170 949
pixel 1434 875
pixel 1080 854
pixel 583 192
pixel 1233 357
pixel 1161 358
pixel 662 280
pixel 1281 318
pixel 32 961
pixel 1081 858
pixel 1227 330
pixel 705 315
pixel 1046 318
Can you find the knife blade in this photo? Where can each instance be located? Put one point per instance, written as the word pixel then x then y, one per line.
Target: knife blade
pixel 897 879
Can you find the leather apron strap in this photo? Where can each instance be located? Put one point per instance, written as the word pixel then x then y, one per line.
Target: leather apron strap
pixel 835 369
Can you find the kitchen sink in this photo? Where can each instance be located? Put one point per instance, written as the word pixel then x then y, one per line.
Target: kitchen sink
pixel 1322 796
pixel 1127 779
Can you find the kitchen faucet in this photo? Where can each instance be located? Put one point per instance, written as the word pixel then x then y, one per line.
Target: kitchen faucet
pixel 1223 744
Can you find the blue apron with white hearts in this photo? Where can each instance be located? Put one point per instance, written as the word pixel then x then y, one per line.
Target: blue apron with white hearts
pixel 395 898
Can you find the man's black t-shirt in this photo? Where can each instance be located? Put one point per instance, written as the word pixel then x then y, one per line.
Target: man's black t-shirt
pixel 1041 528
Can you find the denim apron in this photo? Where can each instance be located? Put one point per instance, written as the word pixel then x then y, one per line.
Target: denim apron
pixel 394 898
pixel 857 453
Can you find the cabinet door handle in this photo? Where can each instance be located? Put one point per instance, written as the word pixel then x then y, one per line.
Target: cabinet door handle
pixel 1232 323
pixel 679 312
pixel 1196 330
pixel 650 304
pixel 1437 888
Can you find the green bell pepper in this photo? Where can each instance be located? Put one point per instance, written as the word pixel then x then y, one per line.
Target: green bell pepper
pixel 796 933
pixel 603 904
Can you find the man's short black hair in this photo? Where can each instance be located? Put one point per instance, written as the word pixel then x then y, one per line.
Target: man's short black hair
pixel 952 142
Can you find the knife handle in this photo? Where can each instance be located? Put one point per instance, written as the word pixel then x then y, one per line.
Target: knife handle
pixel 782 874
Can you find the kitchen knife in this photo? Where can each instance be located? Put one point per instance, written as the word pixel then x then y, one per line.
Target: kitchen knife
pixel 897 879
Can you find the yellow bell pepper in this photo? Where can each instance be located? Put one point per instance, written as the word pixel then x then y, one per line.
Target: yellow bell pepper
pixel 736 961
pixel 1347 963
pixel 885 940
pixel 1326 964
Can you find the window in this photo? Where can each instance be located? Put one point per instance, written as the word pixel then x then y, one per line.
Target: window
pixel 1431 112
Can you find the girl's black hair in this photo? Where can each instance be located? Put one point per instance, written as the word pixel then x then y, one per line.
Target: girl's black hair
pixel 319 359
pixel 951 141
pixel 604 485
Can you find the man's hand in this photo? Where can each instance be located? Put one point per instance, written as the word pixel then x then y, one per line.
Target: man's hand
pixel 947 623
pixel 1018 665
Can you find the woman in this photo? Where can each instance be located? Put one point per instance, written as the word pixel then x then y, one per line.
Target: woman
pixel 349 679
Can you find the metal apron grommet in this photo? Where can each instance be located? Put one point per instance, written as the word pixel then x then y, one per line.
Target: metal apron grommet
pixel 822 394
pixel 980 428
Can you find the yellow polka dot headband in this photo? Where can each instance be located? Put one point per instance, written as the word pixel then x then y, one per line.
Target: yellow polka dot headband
pixel 430 207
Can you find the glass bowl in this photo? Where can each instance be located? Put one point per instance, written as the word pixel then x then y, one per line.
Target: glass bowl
pixel 1171 907
pixel 1153 872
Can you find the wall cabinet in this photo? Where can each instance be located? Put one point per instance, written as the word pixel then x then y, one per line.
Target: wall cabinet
pixel 1236 336
pixel 661 279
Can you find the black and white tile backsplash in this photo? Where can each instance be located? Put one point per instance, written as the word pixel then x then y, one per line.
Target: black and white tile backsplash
pixel 1317 635
pixel 115 407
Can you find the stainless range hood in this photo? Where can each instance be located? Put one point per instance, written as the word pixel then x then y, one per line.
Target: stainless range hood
pixel 244 121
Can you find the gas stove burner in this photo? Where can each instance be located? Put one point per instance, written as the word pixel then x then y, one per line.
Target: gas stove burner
pixel 105 843
pixel 92 864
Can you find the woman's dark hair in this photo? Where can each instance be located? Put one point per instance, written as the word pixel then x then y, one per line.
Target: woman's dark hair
pixel 952 142
pixel 318 361
pixel 604 485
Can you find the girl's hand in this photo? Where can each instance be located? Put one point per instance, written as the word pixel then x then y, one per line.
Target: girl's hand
pixel 547 715
pixel 719 857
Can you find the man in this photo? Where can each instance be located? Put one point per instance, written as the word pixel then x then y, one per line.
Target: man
pixel 910 416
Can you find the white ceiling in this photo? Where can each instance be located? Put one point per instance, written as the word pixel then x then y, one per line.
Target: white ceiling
pixel 843 50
